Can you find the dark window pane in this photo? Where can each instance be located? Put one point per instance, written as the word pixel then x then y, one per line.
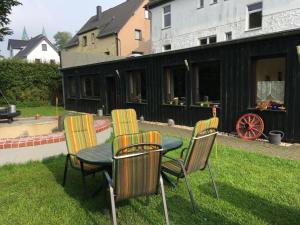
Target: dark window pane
pixel 256 6
pixel 255 20
pixel 212 39
pixel 96 88
pixel 206 83
pixel 72 87
pixel 136 87
pixel 167 9
pixel 174 85
pixel 203 41
pixel 167 20
pixel 167 47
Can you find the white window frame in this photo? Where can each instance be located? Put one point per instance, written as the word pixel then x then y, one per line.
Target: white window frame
pixel 165 14
pixel 137 34
pixel 44 49
pixel 200 4
pixel 207 40
pixel 146 14
pixel 251 12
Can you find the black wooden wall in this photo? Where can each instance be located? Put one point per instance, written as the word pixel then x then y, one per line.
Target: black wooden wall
pixel 235 59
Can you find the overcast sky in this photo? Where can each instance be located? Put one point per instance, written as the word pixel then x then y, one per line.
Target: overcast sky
pixel 54 15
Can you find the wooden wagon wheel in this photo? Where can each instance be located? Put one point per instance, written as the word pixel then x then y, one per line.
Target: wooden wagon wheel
pixel 250 126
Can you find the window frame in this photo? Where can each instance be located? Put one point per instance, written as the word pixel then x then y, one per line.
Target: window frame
pixel 164 14
pixel 253 77
pixel 199 62
pixel 249 12
pixel 227 35
pixel 130 73
pixel 163 86
pixel 200 4
pixel 44 47
pixel 93 39
pixel 94 80
pixel 139 32
pixel 84 41
pixel 69 87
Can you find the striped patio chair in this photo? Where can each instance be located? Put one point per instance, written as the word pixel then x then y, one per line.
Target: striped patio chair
pixel 124 122
pixel 195 157
pixel 136 169
pixel 79 134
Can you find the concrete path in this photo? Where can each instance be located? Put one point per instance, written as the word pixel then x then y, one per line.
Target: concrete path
pixel 40 152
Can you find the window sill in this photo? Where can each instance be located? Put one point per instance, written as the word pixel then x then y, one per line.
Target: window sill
pixel 213 3
pixel 200 7
pixel 90 98
pixel 268 110
pixel 72 98
pixel 137 103
pixel 254 29
pixel 203 107
pixel 173 105
pixel 166 28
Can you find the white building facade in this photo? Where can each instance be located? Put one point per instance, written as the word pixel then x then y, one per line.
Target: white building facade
pixel 178 24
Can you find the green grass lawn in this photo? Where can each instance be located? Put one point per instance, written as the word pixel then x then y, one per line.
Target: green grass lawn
pixel 254 189
pixel 41 110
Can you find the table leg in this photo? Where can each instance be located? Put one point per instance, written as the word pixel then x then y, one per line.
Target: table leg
pixel 83 178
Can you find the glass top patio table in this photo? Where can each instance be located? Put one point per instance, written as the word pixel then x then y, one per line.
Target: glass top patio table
pixel 102 154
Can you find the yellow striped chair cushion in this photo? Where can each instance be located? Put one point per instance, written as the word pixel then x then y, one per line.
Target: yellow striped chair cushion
pixel 138 175
pixel 124 121
pixel 79 133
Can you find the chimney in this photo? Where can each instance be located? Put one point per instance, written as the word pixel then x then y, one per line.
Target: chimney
pixel 98 11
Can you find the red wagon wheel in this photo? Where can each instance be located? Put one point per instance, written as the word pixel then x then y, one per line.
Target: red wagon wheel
pixel 250 126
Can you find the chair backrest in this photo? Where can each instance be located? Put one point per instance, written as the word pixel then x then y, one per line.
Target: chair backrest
pixel 201 144
pixel 79 132
pixel 124 121
pixel 136 164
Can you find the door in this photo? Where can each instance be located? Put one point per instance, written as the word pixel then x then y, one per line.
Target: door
pixel 111 101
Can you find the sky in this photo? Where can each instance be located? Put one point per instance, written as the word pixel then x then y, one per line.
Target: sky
pixel 54 15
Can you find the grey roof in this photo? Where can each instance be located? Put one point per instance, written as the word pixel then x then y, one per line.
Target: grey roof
pixel 16 44
pixel 109 22
pixel 32 43
pixel 155 3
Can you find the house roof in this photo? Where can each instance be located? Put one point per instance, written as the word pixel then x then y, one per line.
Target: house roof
pixel 32 43
pixel 108 22
pixel 155 3
pixel 16 44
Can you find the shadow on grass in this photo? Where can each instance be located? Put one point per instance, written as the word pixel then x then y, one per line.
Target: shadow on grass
pixel 270 212
pixel 180 210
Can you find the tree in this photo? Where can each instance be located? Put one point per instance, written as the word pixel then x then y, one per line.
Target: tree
pixel 5 10
pixel 61 39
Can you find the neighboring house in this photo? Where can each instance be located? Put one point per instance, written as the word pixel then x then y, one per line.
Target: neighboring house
pixel 123 30
pixel 178 24
pixel 37 49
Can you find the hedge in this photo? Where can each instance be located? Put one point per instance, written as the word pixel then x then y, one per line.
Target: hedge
pixel 29 84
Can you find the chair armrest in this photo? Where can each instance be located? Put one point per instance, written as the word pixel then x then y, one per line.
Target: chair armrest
pixel 109 180
pixel 181 153
pixel 177 160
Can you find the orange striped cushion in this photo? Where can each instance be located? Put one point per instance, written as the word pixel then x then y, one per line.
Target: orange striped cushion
pixel 124 121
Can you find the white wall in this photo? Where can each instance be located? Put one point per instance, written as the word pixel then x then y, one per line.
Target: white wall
pixel 190 23
pixel 44 56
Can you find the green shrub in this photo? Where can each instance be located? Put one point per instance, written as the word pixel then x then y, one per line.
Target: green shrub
pixel 29 84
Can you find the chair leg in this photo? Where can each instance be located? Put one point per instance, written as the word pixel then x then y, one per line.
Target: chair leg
pixel 212 179
pixel 190 193
pixel 164 200
pixel 66 169
pixel 83 179
pixel 113 206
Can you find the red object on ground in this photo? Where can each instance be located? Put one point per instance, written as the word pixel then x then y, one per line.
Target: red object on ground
pixel 250 127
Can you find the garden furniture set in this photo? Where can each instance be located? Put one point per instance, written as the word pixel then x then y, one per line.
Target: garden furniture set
pixel 135 163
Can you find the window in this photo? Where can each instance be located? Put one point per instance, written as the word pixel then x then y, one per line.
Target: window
pixel 107 53
pixel 136 87
pixel 212 39
pixel 167 48
pixel 72 87
pixel 93 38
pixel 37 60
pixel 206 89
pixel 89 87
pixel 146 14
pixel 228 36
pixel 167 16
pixel 255 15
pixel 44 47
pixel 84 41
pixel 174 85
pixel 214 2
pixel 138 35
pixel 200 4
pixel 203 41
pixel 270 80
pixel 208 40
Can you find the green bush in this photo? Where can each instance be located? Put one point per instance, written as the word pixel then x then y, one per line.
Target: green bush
pixel 29 84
